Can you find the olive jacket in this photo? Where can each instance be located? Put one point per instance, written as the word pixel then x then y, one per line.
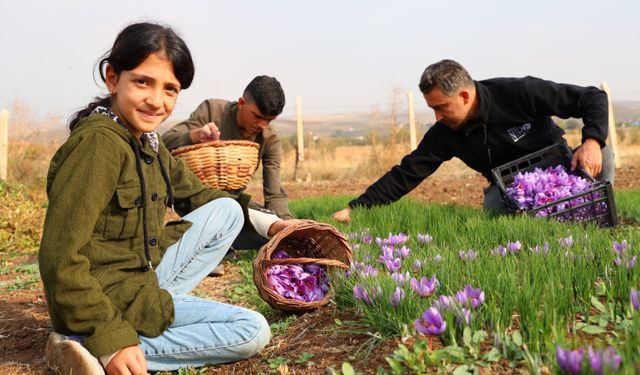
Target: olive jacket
pixel 223 113
pixel 92 257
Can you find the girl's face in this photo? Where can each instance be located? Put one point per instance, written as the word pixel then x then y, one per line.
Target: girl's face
pixel 145 96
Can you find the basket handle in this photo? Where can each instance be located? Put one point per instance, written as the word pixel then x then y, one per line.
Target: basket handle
pixel 288 261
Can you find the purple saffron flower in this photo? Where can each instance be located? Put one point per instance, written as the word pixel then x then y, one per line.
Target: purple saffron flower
pixel 392 239
pixel 500 250
pixel 370 271
pixel 437 258
pixel 367 239
pixel 470 296
pixel 393 265
pixel 617 261
pixel 400 278
pixel 424 238
pixel 570 360
pixel 431 323
pixel 514 247
pixel 280 254
pixel 417 266
pixel 396 297
pixel 631 263
pixel 353 236
pixel 634 298
pixel 359 292
pixel 355 247
pixel 424 287
pixel 403 252
pixel 599 361
pixel 444 303
pixel 470 255
pixel 566 242
pixel 463 316
pixel 619 247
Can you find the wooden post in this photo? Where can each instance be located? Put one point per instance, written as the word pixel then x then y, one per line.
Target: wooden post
pixel 299 130
pixel 613 136
pixel 4 143
pixel 412 122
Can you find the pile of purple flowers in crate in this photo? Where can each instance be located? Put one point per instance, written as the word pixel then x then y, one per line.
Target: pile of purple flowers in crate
pixel 542 187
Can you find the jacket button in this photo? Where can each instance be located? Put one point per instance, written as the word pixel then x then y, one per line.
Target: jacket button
pixel 154 196
pixel 148 159
pixel 153 242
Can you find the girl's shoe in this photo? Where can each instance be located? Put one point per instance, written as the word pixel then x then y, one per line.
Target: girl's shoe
pixel 69 357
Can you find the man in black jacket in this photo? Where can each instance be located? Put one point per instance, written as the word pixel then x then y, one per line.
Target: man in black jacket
pixel 492 122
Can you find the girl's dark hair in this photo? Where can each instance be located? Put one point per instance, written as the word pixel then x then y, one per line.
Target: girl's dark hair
pixel 132 46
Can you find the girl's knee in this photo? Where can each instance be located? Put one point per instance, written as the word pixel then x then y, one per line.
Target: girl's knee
pixel 260 339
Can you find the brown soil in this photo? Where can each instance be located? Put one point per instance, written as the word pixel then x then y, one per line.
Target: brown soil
pixel 25 324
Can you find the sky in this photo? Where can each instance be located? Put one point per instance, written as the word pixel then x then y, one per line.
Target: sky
pixel 337 56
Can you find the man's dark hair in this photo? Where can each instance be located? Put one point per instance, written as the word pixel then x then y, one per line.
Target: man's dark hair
pixel 267 93
pixel 447 75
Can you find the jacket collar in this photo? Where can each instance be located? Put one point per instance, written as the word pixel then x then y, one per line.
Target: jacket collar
pixel 482 115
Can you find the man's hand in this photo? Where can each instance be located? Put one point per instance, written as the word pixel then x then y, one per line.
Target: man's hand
pixel 589 157
pixel 279 225
pixel 209 132
pixel 128 361
pixel 342 216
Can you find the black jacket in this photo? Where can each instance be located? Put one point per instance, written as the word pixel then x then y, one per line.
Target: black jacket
pixel 513 120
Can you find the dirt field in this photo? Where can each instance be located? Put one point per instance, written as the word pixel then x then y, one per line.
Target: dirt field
pixel 24 324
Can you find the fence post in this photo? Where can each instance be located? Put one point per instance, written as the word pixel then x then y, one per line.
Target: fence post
pixel 4 143
pixel 613 136
pixel 412 122
pixel 299 130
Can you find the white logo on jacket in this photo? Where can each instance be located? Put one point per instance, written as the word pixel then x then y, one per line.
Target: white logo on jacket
pixel 517 132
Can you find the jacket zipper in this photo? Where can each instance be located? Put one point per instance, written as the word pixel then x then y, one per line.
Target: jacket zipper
pixel 484 126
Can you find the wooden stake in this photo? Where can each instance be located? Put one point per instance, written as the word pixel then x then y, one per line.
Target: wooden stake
pixel 612 140
pixel 4 143
pixel 299 130
pixel 412 122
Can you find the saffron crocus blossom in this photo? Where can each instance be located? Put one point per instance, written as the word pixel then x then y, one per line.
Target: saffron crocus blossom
pixel 396 297
pixel 545 249
pixel 566 242
pixel 619 247
pixel 634 298
pixel 463 316
pixel 437 258
pixel 570 361
pixel 444 303
pixel 424 287
pixel 600 361
pixel 431 323
pixel 631 263
pixel 355 247
pixel 360 292
pixel 470 255
pixel 392 239
pixel 424 238
pixel 499 251
pixel 367 239
pixel 400 278
pixel 403 252
pixel 514 247
pixel 417 266
pixel 470 296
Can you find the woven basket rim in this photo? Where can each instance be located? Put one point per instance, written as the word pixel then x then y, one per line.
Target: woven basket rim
pixel 197 146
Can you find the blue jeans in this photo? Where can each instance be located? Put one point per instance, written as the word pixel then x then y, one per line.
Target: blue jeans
pixel 204 331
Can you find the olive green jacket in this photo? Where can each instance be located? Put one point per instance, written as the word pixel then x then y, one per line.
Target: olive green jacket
pixel 223 114
pixel 92 252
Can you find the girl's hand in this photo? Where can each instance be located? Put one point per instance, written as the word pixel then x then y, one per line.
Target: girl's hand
pixel 128 361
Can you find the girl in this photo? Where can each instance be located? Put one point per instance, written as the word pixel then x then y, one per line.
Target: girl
pixel 116 279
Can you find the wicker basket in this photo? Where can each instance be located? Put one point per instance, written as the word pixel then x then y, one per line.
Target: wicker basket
pixel 308 242
pixel 225 165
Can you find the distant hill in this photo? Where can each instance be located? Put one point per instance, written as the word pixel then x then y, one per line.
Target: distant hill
pixel 347 124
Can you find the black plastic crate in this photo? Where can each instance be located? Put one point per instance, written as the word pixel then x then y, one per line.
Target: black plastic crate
pixel 593 205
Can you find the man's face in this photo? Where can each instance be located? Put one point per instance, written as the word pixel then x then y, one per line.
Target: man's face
pixel 250 120
pixel 453 110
